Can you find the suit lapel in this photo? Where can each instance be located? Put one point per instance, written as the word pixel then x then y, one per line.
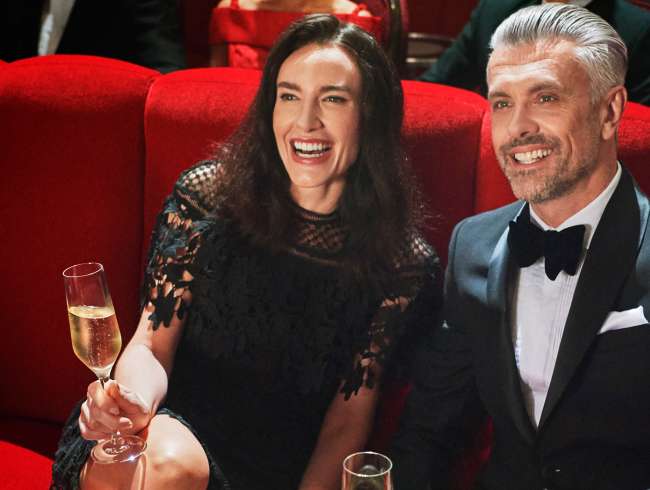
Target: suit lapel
pixel 611 257
pixel 500 270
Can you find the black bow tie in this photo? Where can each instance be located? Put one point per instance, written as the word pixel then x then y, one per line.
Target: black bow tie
pixel 561 249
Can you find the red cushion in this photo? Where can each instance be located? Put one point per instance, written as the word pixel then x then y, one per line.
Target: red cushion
pixel 22 469
pixel 71 133
pixel 40 437
pixel 187 113
pixel 442 127
pixel 493 190
pixel 634 142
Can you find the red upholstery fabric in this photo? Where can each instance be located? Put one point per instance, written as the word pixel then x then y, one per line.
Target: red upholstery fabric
pixel 187 114
pixel 22 469
pixel 71 133
pixel 441 136
pixel 634 142
pixel 40 437
pixel 493 190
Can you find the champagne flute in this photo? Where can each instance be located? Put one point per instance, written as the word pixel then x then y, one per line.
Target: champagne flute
pixel 96 341
pixel 367 471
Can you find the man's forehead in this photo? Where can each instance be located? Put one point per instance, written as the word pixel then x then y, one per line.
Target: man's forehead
pixel 543 61
pixel 524 53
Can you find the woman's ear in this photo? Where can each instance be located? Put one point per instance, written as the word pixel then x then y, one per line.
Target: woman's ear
pixel 612 111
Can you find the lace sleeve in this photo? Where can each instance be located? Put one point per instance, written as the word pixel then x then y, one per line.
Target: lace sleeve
pixel 176 239
pixel 411 305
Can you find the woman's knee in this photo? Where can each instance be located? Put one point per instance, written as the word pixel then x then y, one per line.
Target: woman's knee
pixel 174 459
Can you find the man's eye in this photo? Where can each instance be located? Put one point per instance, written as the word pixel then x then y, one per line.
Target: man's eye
pixel 499 104
pixel 546 98
pixel 287 97
pixel 335 98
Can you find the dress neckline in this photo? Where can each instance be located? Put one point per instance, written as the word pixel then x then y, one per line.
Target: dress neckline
pixel 313 216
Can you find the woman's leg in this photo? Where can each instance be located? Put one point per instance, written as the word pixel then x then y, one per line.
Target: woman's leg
pixel 174 459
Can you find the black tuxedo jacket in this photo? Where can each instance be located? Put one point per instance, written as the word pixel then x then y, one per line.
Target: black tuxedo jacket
pixel 145 32
pixel 594 432
pixel 464 63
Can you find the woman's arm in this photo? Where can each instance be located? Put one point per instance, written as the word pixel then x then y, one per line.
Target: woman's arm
pixel 141 375
pixel 147 361
pixel 344 431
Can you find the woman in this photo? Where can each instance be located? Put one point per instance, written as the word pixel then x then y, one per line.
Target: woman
pixel 243 31
pixel 279 283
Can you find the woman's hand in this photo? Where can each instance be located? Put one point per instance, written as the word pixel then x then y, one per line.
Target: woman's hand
pixel 113 408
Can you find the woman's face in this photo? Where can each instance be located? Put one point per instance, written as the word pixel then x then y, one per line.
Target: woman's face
pixel 316 123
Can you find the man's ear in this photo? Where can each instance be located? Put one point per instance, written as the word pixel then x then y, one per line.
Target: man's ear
pixel 612 111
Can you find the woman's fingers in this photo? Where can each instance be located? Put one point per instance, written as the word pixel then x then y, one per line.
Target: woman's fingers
pixel 100 415
pixel 127 401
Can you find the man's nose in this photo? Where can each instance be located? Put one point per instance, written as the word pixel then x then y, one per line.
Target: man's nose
pixel 521 123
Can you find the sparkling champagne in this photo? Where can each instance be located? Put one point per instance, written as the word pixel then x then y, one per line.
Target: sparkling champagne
pixel 96 338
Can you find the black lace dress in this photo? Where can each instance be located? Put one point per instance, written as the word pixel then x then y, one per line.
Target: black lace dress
pixel 269 337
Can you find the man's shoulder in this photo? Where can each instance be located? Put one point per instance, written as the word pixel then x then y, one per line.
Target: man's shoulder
pixel 484 229
pixel 489 220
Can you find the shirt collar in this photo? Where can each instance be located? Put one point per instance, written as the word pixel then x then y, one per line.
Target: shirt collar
pixel 589 215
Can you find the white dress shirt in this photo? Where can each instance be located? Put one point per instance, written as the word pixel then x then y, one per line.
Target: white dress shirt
pixel 540 308
pixel 54 19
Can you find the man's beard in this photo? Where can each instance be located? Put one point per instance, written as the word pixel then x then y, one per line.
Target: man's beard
pixel 556 178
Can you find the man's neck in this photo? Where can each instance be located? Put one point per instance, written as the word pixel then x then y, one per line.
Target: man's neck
pixel 554 212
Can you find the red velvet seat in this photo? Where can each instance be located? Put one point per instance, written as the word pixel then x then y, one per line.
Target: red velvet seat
pixel 72 139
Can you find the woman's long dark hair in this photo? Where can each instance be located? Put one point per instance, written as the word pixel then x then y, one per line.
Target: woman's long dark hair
pixel 380 202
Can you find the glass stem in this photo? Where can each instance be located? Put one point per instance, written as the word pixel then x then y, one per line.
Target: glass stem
pixel 114 435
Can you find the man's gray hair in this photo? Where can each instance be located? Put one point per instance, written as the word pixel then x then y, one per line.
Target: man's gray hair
pixel 599 48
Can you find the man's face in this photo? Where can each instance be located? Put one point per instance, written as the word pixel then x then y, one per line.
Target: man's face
pixel 545 131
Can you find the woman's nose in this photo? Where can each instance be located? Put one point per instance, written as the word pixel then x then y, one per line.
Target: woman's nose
pixel 309 117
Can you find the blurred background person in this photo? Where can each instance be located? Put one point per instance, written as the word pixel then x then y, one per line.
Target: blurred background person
pixel 463 63
pixel 243 31
pixel 145 32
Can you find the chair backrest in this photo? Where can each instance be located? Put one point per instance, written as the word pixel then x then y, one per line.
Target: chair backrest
pixel 72 139
pixel 394 16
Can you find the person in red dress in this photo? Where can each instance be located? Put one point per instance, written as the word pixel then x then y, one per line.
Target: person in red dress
pixel 243 31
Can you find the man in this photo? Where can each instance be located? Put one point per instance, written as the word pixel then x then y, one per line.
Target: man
pixel 146 32
pixel 463 64
pixel 545 331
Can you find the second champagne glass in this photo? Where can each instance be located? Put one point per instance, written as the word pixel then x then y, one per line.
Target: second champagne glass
pixel 367 471
pixel 96 341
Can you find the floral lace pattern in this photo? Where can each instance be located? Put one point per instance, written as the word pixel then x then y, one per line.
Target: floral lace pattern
pixel 194 249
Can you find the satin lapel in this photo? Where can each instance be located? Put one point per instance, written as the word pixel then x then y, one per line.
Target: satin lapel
pixel 611 257
pixel 499 272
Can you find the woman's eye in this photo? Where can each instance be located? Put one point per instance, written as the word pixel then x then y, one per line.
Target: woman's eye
pixel 287 97
pixel 499 104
